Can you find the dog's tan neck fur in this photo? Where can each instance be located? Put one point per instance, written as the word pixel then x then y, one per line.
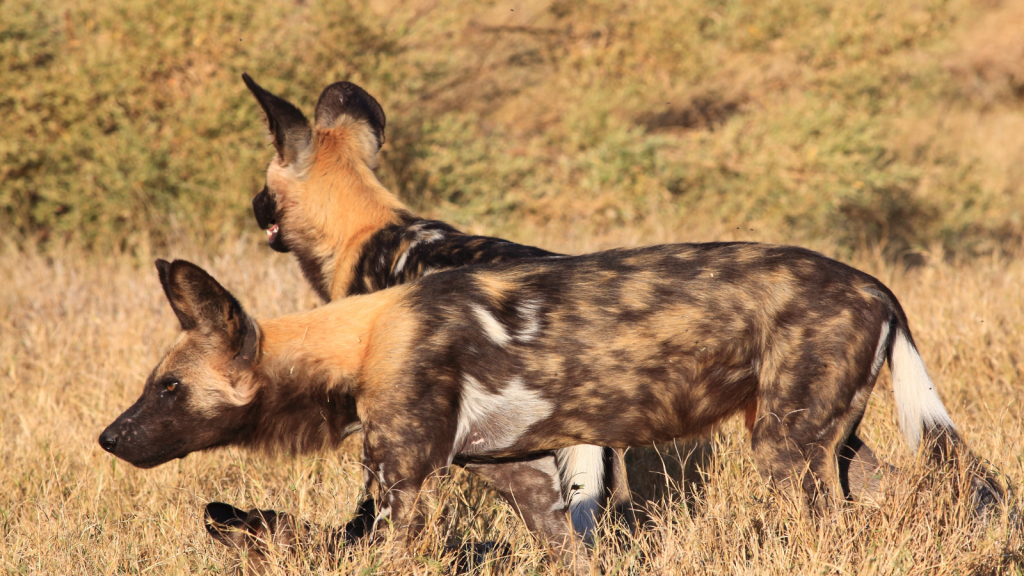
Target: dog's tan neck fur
pixel 305 371
pixel 330 341
pixel 339 205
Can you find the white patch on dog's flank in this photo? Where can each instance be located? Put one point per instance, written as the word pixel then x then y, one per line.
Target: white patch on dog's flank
pixel 497 418
pixel 581 469
pixel 880 350
pixel 919 405
pixel 529 311
pixel 495 331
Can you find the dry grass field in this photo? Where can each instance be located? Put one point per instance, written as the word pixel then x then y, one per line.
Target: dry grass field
pixel 888 134
pixel 80 333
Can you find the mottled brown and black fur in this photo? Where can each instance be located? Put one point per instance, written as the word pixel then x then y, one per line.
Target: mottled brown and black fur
pixel 323 203
pixel 619 348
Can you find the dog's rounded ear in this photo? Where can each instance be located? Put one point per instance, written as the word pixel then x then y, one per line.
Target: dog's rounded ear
pixel 288 125
pixel 201 303
pixel 225 524
pixel 347 99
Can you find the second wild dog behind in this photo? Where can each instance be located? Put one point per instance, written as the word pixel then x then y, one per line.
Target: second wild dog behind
pixel 620 348
pixel 350 235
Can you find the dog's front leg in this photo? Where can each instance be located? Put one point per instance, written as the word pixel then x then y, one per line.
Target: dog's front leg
pixel 399 468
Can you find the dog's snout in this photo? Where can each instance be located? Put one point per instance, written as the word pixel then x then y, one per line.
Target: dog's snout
pixel 264 207
pixel 108 441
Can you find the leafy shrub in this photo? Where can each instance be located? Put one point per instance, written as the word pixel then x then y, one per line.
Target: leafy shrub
pixel 126 122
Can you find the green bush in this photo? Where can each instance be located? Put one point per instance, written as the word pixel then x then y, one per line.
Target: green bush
pixel 126 121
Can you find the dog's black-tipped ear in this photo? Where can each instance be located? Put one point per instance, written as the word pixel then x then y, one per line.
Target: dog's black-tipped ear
pixel 225 524
pixel 288 125
pixel 347 99
pixel 177 301
pixel 201 303
pixel 163 268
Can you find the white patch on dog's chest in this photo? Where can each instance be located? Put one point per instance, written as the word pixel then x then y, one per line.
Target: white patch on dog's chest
pixel 490 421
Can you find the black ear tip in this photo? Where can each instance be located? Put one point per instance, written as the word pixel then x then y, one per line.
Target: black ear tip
pixel 163 268
pixel 219 515
pixel 258 91
pixel 249 82
pixel 347 98
pixel 181 264
pixel 181 270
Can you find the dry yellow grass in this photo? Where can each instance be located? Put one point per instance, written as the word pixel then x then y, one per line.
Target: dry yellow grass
pixel 78 335
pixel 569 124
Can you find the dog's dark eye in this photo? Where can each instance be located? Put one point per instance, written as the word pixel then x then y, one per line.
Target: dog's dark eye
pixel 171 386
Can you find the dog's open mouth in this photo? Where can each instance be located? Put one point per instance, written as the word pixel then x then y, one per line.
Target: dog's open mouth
pixel 264 207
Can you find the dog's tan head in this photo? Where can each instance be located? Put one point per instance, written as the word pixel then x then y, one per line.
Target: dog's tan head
pixel 199 395
pixel 321 193
pixel 347 133
pixel 258 533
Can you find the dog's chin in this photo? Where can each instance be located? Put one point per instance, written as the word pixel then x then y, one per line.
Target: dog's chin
pixel 153 462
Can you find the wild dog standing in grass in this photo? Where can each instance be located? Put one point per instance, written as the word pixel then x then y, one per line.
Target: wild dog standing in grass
pixel 618 348
pixel 323 202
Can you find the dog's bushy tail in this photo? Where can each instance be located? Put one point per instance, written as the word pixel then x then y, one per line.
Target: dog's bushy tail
pixel 925 421
pixel 921 412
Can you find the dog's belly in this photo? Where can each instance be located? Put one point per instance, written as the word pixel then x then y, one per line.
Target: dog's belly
pixel 641 415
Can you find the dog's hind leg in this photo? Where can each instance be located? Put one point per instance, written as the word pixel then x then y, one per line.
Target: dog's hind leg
pixel 798 446
pixel 619 498
pixel 802 426
pixel 533 488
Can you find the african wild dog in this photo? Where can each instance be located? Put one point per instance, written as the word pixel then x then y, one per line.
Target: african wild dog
pixel 350 235
pixel 618 348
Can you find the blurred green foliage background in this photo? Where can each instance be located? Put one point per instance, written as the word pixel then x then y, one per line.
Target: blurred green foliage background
pixel 897 125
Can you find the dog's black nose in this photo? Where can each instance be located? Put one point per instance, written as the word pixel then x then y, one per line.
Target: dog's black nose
pixel 108 441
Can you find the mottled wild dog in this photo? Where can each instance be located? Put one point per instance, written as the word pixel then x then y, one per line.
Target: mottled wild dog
pixel 323 202
pixel 618 348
